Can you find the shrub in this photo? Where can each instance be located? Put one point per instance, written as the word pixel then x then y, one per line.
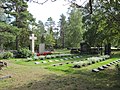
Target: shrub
pixel 1 55
pixel 24 53
pixel 7 55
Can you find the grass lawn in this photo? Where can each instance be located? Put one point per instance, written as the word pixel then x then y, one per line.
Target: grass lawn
pixel 45 76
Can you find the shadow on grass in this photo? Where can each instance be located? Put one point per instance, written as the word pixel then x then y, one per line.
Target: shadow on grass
pixel 79 80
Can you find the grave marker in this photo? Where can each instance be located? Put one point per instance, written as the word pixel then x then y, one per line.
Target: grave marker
pixel 41 48
pixel 95 70
pixel 33 38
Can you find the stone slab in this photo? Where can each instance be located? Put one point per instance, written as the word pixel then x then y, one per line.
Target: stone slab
pixel 37 62
pixel 95 70
pixel 100 68
pixel 105 66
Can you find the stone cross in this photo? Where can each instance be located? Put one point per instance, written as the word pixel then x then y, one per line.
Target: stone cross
pixel 33 38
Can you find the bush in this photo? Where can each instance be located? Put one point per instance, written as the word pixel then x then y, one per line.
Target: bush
pixel 7 55
pixel 24 53
pixel 1 55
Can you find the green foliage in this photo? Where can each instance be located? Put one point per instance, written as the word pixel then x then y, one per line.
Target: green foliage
pixel 39 31
pixel 7 34
pixel 74 30
pixel 24 53
pixel 103 25
pixel 7 55
pixel 21 18
pixel 50 40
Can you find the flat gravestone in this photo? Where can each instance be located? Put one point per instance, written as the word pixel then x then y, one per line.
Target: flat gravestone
pixel 60 64
pixel 105 66
pixel 100 68
pixel 37 62
pixel 114 62
pixel 4 77
pixel 56 60
pixel 111 63
pixel 50 61
pixel 29 59
pixel 65 58
pixel 117 61
pixel 108 64
pixel 95 70
pixel 77 57
pixel 76 66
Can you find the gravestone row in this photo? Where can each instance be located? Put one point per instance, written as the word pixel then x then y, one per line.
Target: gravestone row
pixel 105 66
pixel 51 57
pixel 63 59
pixel 78 64
pixel 60 64
pixel 90 61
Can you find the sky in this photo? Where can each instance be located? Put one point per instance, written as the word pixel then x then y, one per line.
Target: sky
pixel 50 9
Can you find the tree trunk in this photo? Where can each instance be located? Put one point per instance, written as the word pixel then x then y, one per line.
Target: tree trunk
pixel 107 49
pixel 17 45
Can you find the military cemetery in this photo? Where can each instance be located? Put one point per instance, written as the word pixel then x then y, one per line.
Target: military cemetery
pixel 79 52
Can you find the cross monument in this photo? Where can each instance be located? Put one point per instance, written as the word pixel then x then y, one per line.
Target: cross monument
pixel 33 38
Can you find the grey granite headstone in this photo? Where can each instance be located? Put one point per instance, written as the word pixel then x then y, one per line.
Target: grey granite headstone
pixel 65 58
pixel 108 64
pixel 4 77
pixel 111 63
pixel 100 68
pixel 37 62
pixel 105 66
pixel 95 70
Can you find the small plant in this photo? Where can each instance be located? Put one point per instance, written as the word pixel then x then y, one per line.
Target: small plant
pixel 7 55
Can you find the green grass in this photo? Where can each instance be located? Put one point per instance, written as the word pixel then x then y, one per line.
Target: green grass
pixel 28 76
pixel 67 68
